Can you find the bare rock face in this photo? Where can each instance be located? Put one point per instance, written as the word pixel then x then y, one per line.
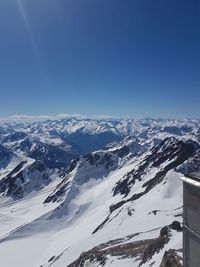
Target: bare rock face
pixel 171 259
pixel 156 245
pixel 176 226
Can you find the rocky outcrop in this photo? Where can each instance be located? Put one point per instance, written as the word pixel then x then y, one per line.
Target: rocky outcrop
pixel 156 245
pixel 94 165
pixel 176 226
pixel 143 250
pixel 169 150
pixel 100 254
pixel 171 259
pixel 24 178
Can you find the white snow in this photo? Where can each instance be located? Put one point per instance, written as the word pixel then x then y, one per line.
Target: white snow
pixel 48 233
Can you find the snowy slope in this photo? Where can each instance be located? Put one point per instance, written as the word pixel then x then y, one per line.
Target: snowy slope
pixel 90 216
pixel 20 175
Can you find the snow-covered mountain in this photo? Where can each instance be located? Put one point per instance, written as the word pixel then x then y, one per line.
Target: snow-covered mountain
pixel 20 175
pixel 87 135
pixel 120 205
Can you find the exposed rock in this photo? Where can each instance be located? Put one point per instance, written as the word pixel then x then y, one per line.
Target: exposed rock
pixel 170 149
pixel 57 194
pixel 171 259
pixel 143 250
pixel 154 212
pixel 154 247
pixel 51 259
pixel 24 178
pixel 100 253
pixel 116 206
pixel 176 225
pixel 100 158
pixel 101 225
pixel 164 232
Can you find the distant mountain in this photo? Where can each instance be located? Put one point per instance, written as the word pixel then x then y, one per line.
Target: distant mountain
pixel 8 160
pixel 20 175
pixel 86 135
pixel 52 154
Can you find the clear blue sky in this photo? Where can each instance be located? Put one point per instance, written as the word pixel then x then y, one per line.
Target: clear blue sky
pixel 119 57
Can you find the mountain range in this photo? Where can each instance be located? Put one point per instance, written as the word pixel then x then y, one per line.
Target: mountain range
pixel 83 192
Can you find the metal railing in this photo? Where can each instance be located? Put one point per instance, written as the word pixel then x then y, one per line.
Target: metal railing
pixel 192 232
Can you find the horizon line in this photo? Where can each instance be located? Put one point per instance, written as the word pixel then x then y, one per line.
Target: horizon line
pixel 35 118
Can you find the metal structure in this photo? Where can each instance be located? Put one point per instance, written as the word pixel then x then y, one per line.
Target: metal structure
pixel 191 217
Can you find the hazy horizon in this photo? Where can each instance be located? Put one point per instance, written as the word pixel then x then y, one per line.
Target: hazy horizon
pixel 35 118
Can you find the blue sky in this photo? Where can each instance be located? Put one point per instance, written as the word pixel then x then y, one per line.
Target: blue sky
pixel 118 57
